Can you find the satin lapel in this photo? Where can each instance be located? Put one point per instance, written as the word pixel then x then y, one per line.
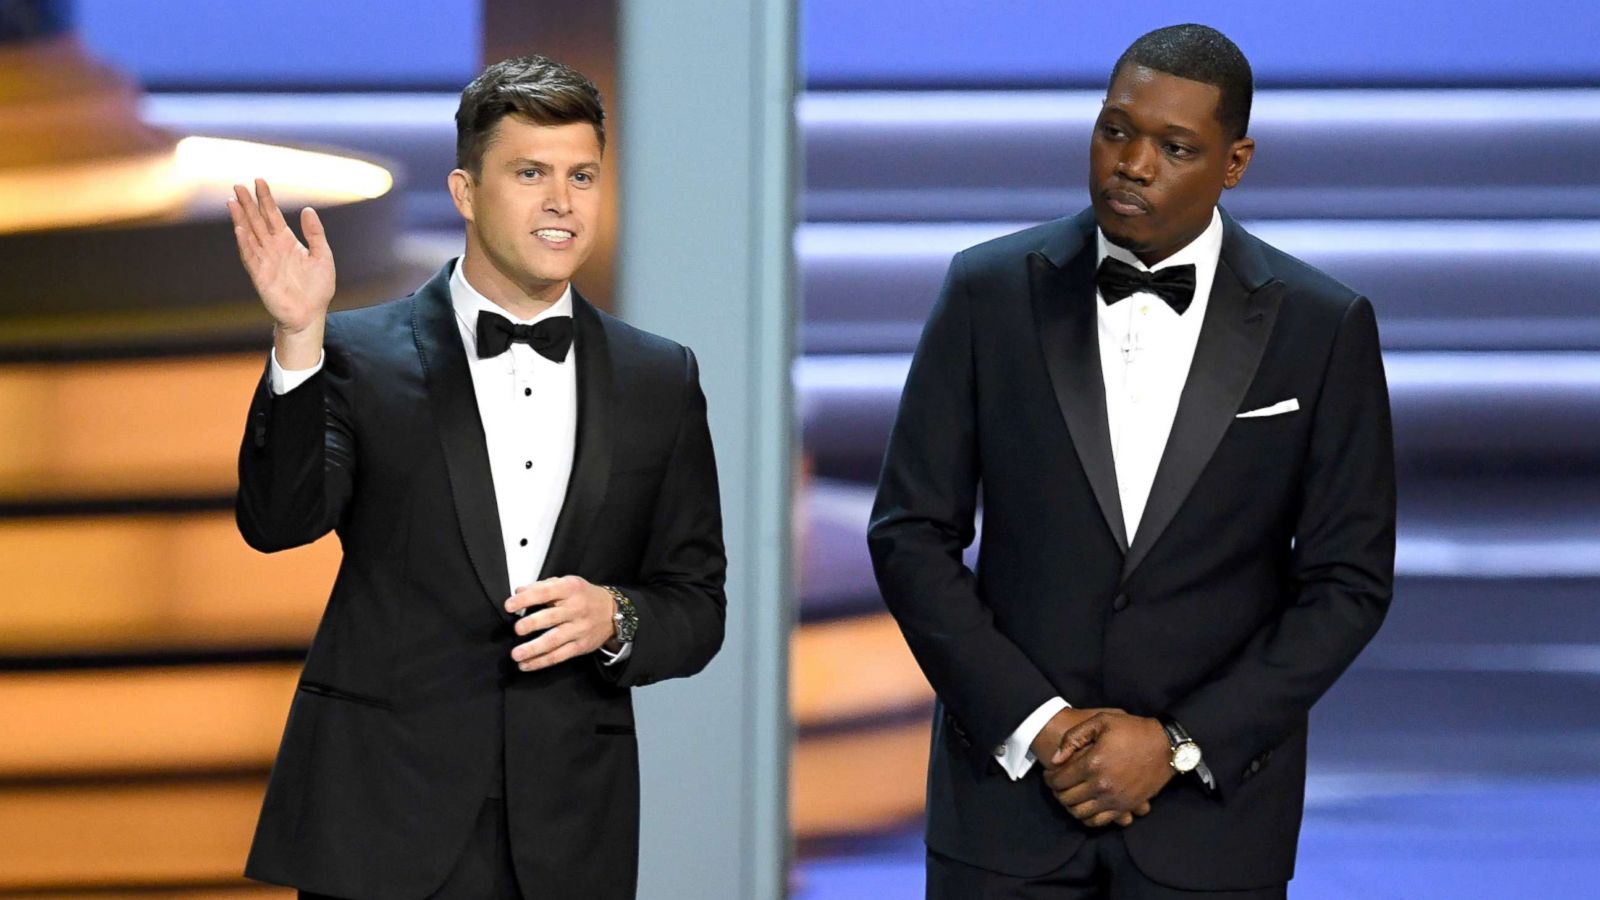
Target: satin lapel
pixel 1237 325
pixel 1065 316
pixel 591 458
pixel 466 454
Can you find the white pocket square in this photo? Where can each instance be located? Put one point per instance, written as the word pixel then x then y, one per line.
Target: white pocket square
pixel 1277 409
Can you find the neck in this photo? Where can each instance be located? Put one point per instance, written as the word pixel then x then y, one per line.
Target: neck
pixel 523 301
pixel 1150 260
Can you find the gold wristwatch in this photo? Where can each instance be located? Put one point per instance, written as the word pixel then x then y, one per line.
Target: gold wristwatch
pixel 1185 752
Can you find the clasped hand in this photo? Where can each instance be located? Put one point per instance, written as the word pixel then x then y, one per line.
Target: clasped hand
pixel 1107 765
pixel 576 617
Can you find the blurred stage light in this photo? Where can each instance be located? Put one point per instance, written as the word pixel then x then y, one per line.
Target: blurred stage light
pixel 90 192
pixel 107 191
pixel 209 161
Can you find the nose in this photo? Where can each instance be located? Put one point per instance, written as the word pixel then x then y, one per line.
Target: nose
pixel 558 199
pixel 1137 162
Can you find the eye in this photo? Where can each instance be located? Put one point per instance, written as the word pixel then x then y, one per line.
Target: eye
pixel 1179 151
pixel 584 178
pixel 1112 131
pixel 527 174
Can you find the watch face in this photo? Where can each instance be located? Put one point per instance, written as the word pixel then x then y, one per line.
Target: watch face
pixel 1185 757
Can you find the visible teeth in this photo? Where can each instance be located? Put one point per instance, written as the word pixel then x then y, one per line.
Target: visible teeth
pixel 553 234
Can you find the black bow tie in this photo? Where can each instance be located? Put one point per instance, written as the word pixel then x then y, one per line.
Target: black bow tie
pixel 1174 284
pixel 550 337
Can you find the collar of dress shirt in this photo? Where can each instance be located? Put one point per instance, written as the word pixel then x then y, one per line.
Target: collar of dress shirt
pixel 468 302
pixel 1202 252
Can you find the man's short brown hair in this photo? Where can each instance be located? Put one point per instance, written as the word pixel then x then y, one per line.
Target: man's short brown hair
pixel 540 90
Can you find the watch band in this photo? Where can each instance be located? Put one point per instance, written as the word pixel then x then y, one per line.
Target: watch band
pixel 1175 733
pixel 626 616
pixel 1186 755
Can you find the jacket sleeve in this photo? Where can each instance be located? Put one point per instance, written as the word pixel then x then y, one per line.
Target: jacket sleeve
pixel 922 520
pixel 679 596
pixel 297 459
pixel 1343 568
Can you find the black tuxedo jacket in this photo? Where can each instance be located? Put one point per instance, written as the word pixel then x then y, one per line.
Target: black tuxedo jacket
pixel 1263 564
pixel 409 706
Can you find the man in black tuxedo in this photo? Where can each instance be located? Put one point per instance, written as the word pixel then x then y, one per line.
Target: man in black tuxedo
pixel 526 497
pixel 1183 443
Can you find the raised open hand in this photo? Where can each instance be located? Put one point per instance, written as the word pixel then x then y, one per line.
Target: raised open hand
pixel 295 282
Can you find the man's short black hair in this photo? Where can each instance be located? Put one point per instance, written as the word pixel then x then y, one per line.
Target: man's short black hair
pixel 1199 53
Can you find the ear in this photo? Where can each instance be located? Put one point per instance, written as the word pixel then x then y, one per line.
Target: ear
pixel 460 183
pixel 1239 156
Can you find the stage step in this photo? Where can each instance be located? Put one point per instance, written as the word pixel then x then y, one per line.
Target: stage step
pixel 144 721
pixel 124 429
pixel 163 834
pixel 1380 154
pixel 86 585
pixel 1476 284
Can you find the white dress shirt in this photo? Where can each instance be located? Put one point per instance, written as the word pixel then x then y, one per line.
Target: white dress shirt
pixel 529 409
pixel 1145 353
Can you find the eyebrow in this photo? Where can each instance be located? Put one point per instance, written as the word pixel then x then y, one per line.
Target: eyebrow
pixel 1169 128
pixel 522 162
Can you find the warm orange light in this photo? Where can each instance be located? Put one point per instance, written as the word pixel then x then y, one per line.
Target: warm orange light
pixel 858 782
pixel 870 774
pixel 171 834
pixel 133 720
pixel 156 427
pixel 158 581
pixel 91 192
pixel 853 668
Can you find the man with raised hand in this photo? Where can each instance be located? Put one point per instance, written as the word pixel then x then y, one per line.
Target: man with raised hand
pixel 526 497
pixel 1182 441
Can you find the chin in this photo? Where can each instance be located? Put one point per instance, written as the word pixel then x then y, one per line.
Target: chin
pixel 551 276
pixel 1124 240
pixel 547 274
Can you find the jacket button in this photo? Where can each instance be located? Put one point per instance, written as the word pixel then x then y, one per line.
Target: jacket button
pixel 1255 766
pixel 1121 603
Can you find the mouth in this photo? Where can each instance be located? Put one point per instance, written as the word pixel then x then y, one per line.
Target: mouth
pixel 555 238
pixel 1126 203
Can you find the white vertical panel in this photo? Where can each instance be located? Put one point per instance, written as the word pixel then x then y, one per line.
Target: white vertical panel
pixel 707 153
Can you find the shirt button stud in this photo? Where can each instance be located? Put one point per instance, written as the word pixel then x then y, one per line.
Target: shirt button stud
pixel 1144 310
pixel 528 464
pixel 527 392
pixel 523 542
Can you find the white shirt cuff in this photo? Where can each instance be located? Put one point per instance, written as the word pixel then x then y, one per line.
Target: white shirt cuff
pixel 614 658
pixel 283 381
pixel 1016 754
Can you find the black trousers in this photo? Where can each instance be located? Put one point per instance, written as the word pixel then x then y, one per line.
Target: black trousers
pixel 1100 870
pixel 484 871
